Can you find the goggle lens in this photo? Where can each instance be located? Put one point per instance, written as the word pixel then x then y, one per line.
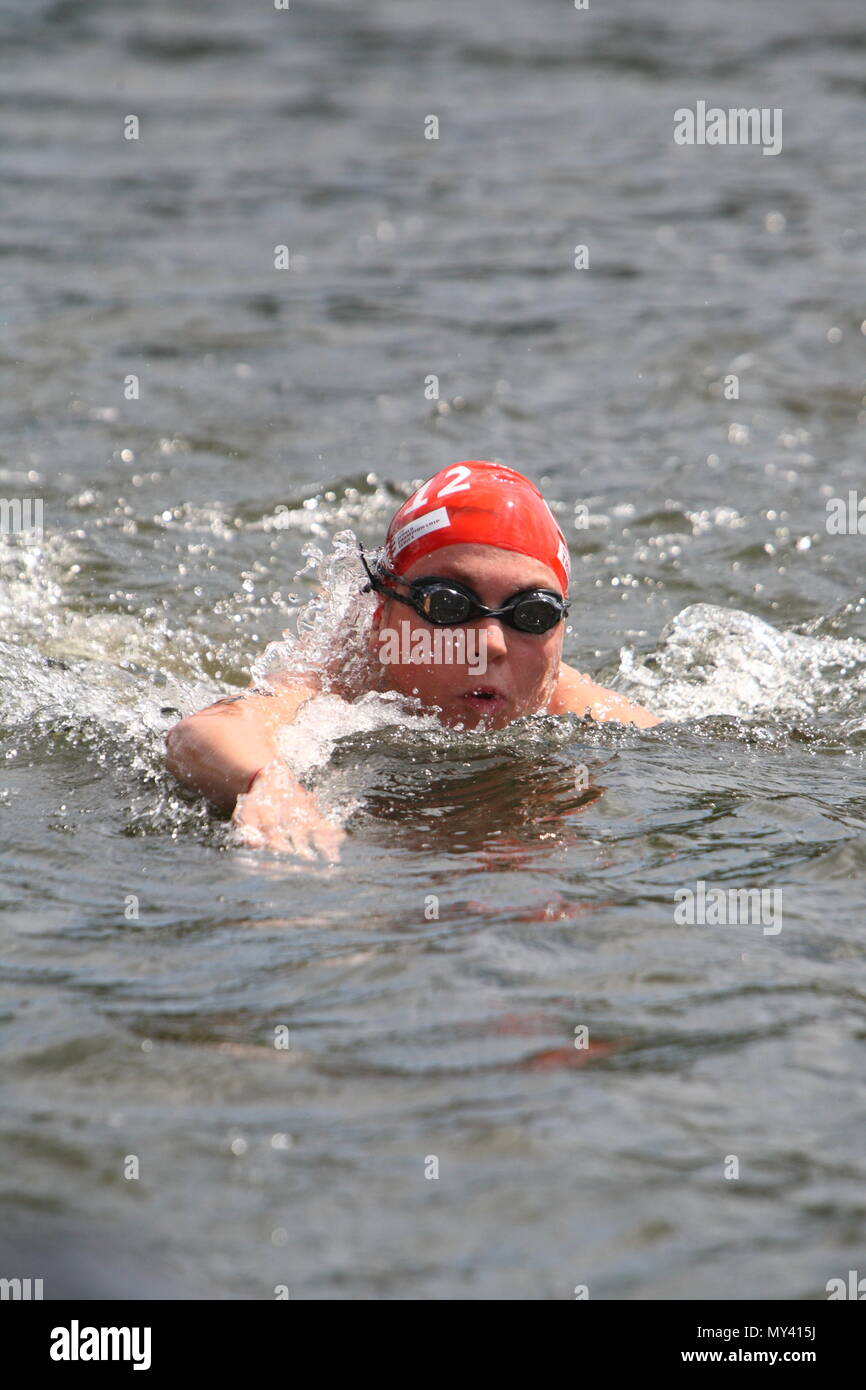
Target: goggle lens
pixel 537 614
pixel 443 605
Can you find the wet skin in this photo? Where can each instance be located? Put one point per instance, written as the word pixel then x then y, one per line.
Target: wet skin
pixel 525 673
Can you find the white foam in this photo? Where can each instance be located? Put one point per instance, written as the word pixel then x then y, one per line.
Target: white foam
pixel 719 661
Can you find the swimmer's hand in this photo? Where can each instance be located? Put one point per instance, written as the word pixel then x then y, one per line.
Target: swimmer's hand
pixel 278 813
pixel 218 750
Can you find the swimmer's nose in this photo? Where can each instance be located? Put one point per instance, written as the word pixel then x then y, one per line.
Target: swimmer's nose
pixel 495 639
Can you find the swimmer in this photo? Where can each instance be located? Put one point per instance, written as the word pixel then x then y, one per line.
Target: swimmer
pixel 470 617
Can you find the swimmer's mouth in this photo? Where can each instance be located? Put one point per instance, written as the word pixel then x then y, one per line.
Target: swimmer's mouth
pixel 484 695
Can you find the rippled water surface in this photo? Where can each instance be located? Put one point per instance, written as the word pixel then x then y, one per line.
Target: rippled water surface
pixel 492 897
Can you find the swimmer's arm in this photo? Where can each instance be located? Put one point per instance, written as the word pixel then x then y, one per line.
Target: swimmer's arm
pixel 216 751
pixel 577 694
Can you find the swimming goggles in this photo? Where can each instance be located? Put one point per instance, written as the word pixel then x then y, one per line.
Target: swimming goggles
pixel 446 601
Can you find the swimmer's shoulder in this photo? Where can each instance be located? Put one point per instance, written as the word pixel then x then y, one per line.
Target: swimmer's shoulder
pixel 576 694
pixel 288 692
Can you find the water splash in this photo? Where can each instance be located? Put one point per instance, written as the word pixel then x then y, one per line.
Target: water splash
pixel 332 627
pixel 309 741
pixel 718 661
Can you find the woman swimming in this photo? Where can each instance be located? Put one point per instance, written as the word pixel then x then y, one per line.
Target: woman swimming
pixel 469 620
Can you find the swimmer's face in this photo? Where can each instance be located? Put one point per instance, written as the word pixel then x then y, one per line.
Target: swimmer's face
pixel 514 672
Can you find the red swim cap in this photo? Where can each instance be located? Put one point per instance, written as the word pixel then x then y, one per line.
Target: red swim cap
pixel 479 502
